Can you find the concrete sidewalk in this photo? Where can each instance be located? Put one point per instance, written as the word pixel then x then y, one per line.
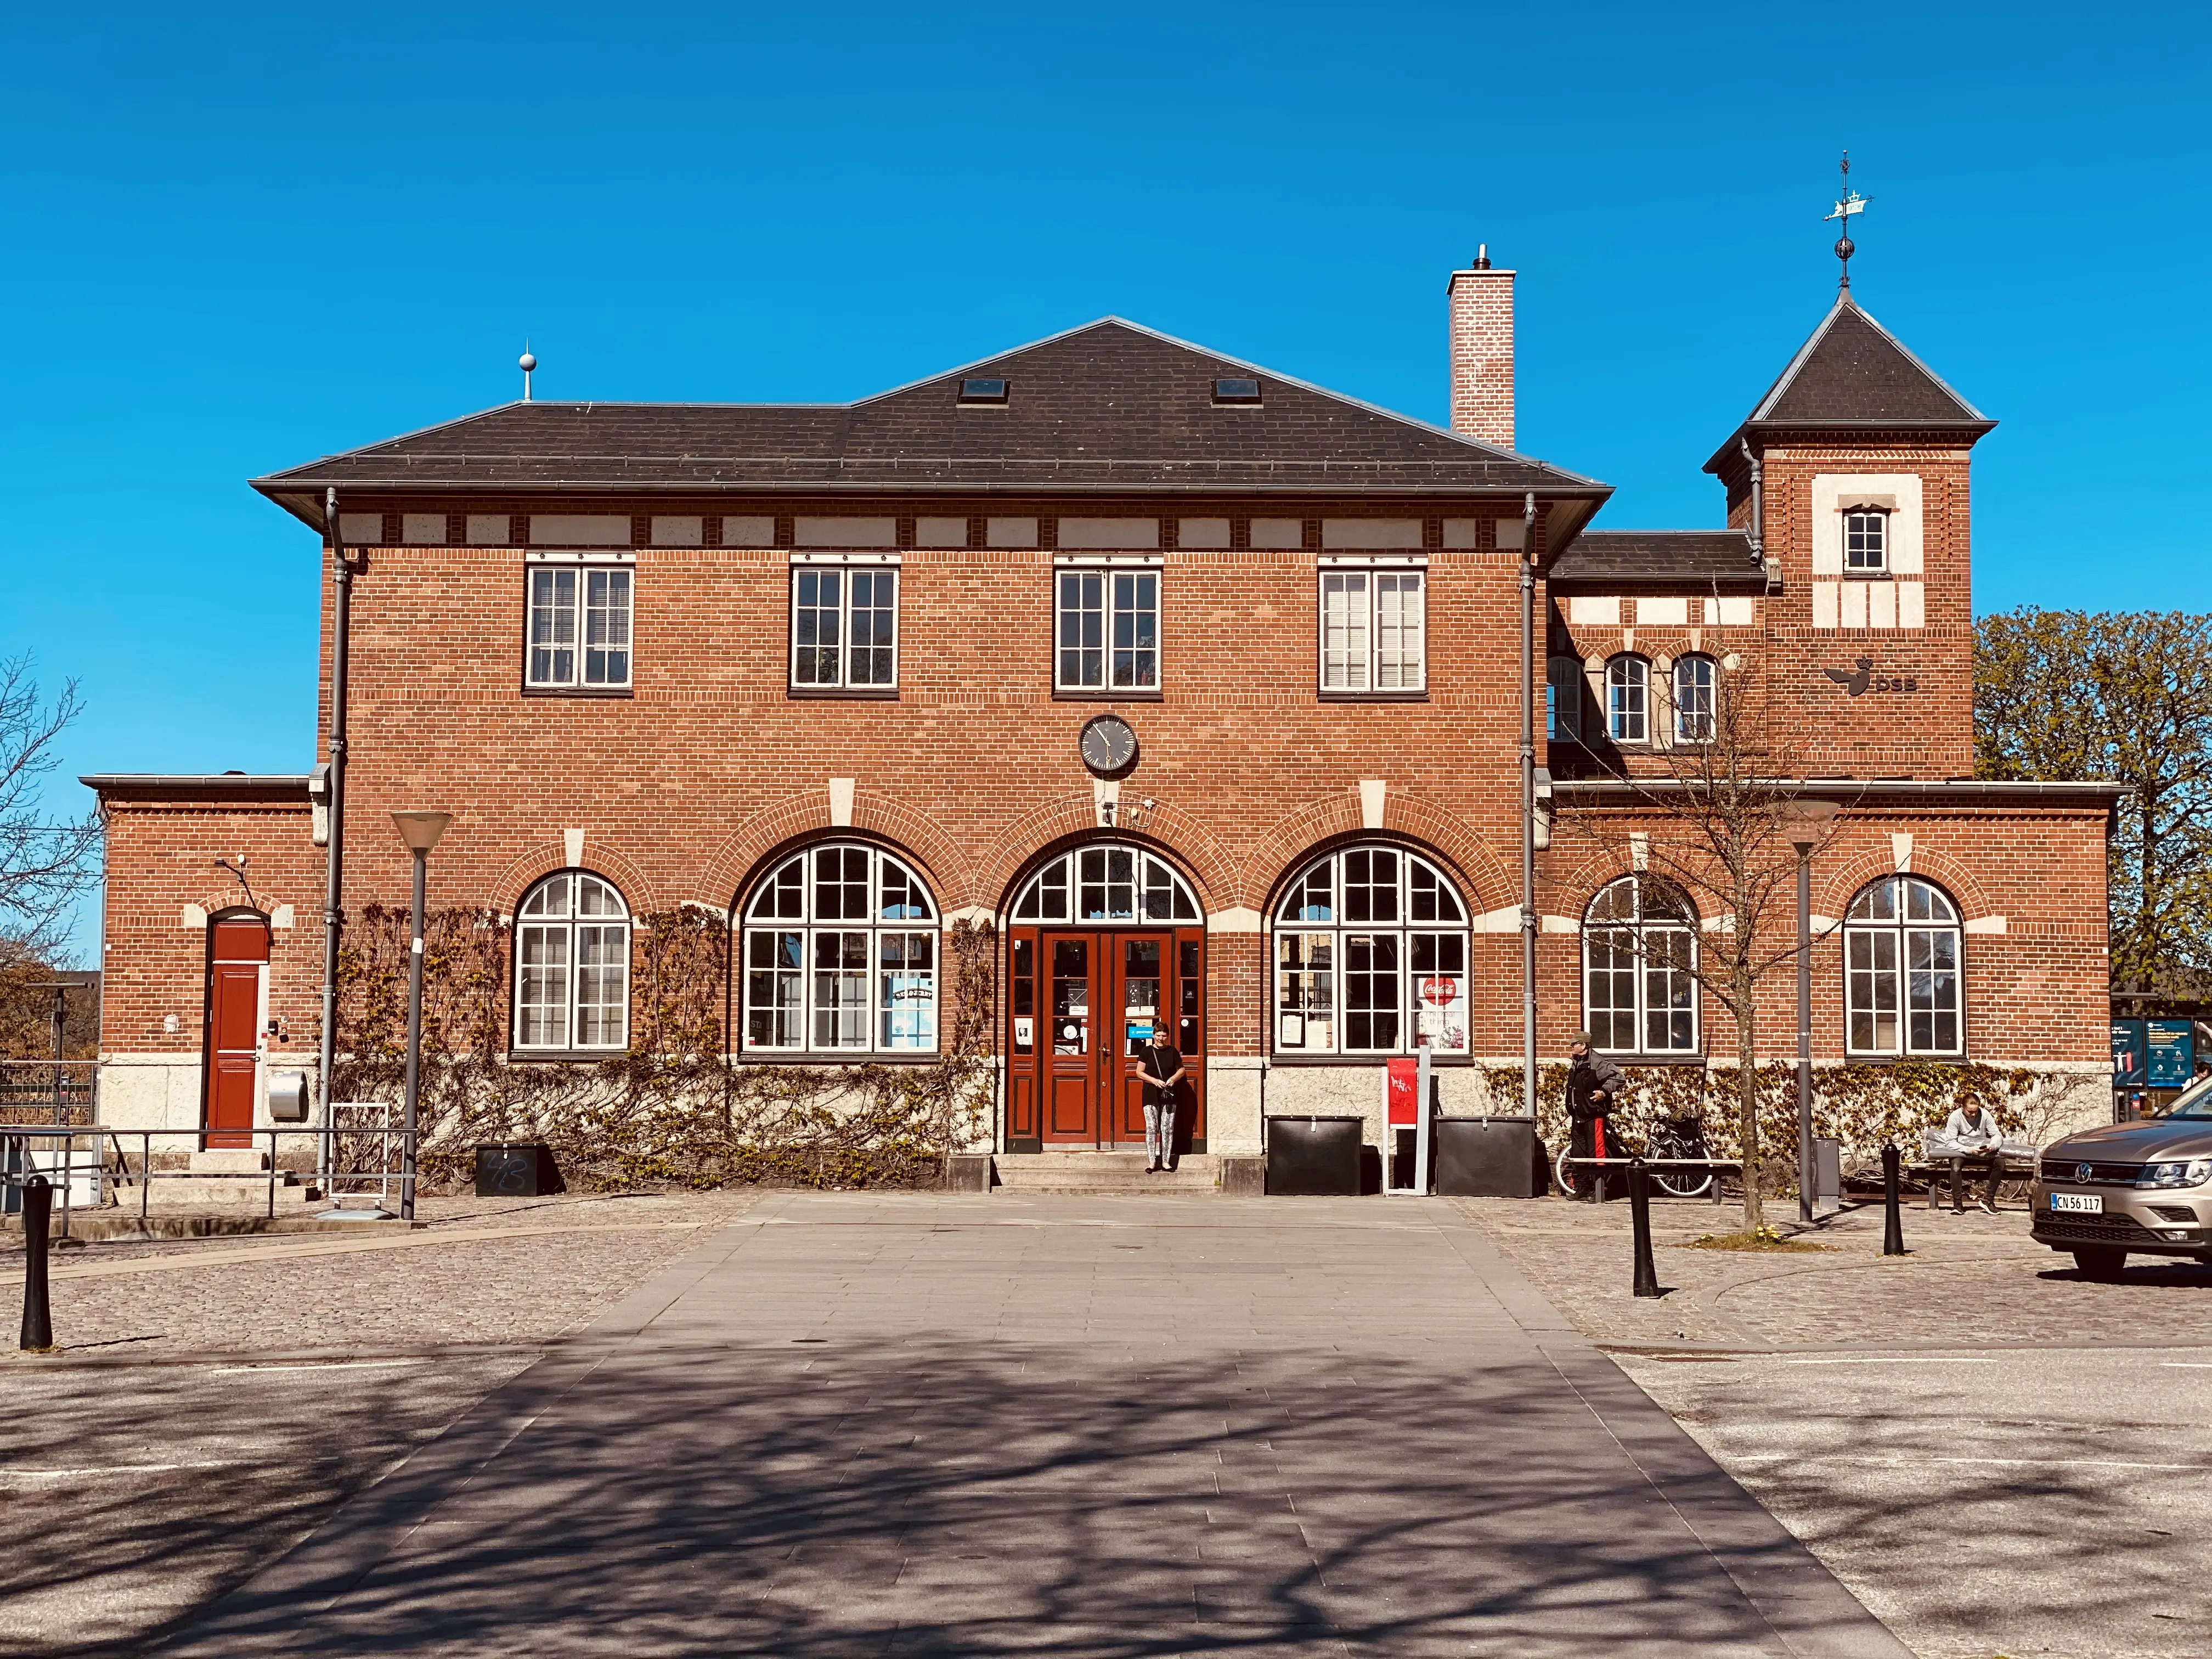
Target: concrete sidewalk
pixel 906 1424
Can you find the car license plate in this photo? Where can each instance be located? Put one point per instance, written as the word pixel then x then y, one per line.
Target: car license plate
pixel 2082 1203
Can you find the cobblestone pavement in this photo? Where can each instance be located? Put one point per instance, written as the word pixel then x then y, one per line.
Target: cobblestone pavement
pixel 216 1398
pixel 486 1271
pixel 1998 1456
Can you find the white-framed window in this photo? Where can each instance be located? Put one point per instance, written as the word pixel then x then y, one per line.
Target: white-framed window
pixel 839 954
pixel 571 965
pixel 1696 684
pixel 1640 958
pixel 844 625
pixel 1374 628
pixel 1371 957
pixel 1628 699
pixel 1106 629
pixel 1865 540
pixel 1903 971
pixel 579 625
pixel 1107 882
pixel 1563 700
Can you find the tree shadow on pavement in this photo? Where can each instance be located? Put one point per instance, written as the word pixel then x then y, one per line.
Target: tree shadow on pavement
pixel 944 1497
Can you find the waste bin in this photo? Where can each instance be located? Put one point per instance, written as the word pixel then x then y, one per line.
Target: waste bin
pixel 516 1170
pixel 1827 1174
pixel 1314 1156
pixel 1486 1157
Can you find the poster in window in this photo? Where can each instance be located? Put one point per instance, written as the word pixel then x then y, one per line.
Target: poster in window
pixel 912 1003
pixel 1443 1012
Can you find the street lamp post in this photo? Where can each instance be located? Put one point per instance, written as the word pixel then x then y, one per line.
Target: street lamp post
pixel 1806 822
pixel 420 831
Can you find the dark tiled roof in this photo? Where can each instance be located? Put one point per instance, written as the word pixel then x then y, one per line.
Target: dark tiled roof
pixel 1107 406
pixel 1852 374
pixel 1694 559
pixel 1854 369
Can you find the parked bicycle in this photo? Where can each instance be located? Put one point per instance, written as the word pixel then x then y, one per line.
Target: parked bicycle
pixel 1677 1138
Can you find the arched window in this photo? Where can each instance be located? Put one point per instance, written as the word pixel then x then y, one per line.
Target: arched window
pixel 839 954
pixel 1107 882
pixel 571 965
pixel 1695 678
pixel 1639 952
pixel 1901 970
pixel 1628 699
pixel 1371 957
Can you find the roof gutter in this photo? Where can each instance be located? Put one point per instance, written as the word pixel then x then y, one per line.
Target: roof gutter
pixel 1623 791
pixel 198 786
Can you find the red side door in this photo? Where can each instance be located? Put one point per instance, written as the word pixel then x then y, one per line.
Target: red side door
pixel 239 957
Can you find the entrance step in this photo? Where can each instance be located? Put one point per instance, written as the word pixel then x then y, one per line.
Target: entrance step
pixel 1103 1173
pixel 292 1193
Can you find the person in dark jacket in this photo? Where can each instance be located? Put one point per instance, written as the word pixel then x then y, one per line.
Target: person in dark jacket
pixel 1593 1087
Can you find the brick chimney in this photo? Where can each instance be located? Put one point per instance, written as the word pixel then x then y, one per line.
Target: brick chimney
pixel 1482 352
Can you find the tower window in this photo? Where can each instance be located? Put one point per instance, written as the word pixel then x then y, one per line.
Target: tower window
pixel 1866 541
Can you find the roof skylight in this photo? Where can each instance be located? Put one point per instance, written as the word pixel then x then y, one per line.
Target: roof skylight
pixel 983 392
pixel 1235 391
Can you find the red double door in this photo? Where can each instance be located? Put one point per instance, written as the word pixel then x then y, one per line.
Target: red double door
pixel 1083 1004
pixel 237 962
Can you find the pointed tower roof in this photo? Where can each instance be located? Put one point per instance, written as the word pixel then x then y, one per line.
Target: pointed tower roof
pixel 1854 375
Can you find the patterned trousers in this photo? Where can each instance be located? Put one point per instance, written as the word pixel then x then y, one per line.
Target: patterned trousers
pixel 1159 1133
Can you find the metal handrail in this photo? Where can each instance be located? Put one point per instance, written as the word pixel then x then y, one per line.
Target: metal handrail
pixel 14 1138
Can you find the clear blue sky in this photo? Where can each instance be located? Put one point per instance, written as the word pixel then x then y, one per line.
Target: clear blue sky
pixel 239 238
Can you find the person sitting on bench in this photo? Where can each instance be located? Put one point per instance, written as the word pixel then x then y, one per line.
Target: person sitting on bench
pixel 1973 1130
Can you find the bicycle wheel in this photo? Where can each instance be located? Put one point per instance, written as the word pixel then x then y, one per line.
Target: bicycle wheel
pixel 1567 1173
pixel 1679 1183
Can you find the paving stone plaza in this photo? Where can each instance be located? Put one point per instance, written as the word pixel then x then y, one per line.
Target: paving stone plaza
pixel 805 1423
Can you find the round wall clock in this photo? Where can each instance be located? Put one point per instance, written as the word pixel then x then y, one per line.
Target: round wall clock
pixel 1107 746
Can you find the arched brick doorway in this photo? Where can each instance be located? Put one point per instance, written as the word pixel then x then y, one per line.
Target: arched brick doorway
pixel 1103 941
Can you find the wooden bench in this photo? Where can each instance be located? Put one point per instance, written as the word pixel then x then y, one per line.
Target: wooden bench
pixel 2017 1162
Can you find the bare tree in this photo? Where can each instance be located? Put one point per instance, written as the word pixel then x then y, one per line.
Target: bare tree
pixel 45 865
pixel 1719 819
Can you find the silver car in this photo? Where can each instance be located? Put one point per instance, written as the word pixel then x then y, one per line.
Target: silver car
pixel 2131 1188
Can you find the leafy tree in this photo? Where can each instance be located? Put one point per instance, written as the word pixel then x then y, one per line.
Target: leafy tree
pixel 2066 695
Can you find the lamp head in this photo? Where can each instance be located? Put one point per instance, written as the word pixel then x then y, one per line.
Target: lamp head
pixel 421 830
pixel 1805 822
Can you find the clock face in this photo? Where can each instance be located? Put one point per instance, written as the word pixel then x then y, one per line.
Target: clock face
pixel 1107 744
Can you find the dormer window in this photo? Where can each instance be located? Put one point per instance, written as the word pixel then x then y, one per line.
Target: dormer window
pixel 1235 391
pixel 983 392
pixel 1866 541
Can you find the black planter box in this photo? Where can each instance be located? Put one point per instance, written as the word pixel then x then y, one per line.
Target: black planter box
pixel 1314 1157
pixel 1487 1158
pixel 517 1169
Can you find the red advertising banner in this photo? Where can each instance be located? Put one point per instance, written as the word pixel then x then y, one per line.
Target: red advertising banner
pixel 1405 1091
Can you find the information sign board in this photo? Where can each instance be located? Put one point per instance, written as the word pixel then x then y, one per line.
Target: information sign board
pixel 2170 1053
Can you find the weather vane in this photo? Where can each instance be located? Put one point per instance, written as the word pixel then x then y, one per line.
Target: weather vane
pixel 1852 203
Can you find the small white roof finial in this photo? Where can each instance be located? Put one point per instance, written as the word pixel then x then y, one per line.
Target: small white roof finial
pixel 526 364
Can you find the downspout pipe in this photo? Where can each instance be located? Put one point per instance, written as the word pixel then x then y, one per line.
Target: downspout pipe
pixel 1758 501
pixel 334 876
pixel 1528 807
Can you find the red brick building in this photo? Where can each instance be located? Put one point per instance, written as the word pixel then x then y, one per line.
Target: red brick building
pixel 1199 682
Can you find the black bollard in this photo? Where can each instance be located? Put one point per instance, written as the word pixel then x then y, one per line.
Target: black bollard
pixel 1893 1224
pixel 38 1212
pixel 1639 1215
